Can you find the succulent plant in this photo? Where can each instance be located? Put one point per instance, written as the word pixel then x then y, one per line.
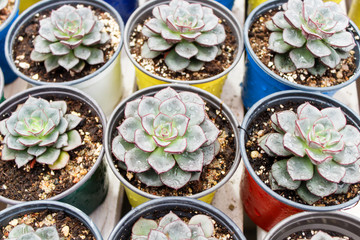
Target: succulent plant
pixel 320 235
pixel 172 227
pixel 188 34
pixel 323 150
pixel 309 34
pixel 3 4
pixel 26 232
pixel 167 138
pixel 68 38
pixel 40 130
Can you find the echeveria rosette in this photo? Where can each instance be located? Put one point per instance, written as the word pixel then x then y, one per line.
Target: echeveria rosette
pixel 23 231
pixel 172 227
pixel 69 38
pixel 167 138
pixel 40 130
pixel 3 4
pixel 323 150
pixel 309 34
pixel 190 34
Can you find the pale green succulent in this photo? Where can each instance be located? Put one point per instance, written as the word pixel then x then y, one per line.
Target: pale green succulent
pixel 320 235
pixel 166 139
pixel 324 152
pixel 40 130
pixel 190 33
pixel 26 232
pixel 309 34
pixel 3 4
pixel 69 38
pixel 171 227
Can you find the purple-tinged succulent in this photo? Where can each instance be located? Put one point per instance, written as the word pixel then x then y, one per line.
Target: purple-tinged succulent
pixel 320 235
pixel 190 33
pixel 3 4
pixel 324 152
pixel 69 38
pixel 167 138
pixel 23 231
pixel 309 34
pixel 172 227
pixel 40 130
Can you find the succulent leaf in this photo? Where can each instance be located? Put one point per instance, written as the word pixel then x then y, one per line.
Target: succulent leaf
pixel 283 63
pixel 205 222
pixel 143 226
pixel 175 177
pixel 331 171
pixel 150 178
pixel 300 168
pixel 175 62
pixel 282 177
pixel 161 161
pixel 136 160
pixel 277 43
pixel 306 195
pixel 320 186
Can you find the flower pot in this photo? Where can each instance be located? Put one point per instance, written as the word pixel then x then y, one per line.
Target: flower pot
pixel 10 76
pixel 183 207
pixel 213 84
pixel 125 8
pixel 263 205
pixel 26 4
pixel 105 81
pixel 2 98
pixel 338 222
pixel 19 210
pixel 90 191
pixel 260 81
pixel 137 196
pixel 227 3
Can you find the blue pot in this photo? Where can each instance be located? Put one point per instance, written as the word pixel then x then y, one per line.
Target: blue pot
pixel 260 81
pixel 9 75
pixel 124 7
pixel 227 3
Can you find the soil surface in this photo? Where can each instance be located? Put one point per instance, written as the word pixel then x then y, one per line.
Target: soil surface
pixel 308 234
pixel 259 41
pixel 36 70
pixel 261 162
pixel 158 67
pixel 6 11
pixel 68 227
pixel 37 181
pixel 211 175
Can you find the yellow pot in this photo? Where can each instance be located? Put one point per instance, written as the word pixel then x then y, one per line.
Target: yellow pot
pixel 214 84
pixel 354 12
pixel 24 4
pixel 137 196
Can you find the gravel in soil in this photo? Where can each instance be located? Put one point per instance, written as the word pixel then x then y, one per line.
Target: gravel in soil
pixel 6 11
pixel 67 226
pixel 308 234
pixel 23 46
pixel 40 182
pixel 261 162
pixel 158 67
pixel 259 41
pixel 211 175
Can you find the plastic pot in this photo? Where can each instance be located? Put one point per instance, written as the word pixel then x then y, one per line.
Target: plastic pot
pixel 24 4
pixel 10 213
pixel 136 196
pixel 227 3
pixel 124 7
pixel 146 79
pixel 106 81
pixel 10 76
pixel 260 81
pixel 342 223
pixel 91 190
pixel 181 206
pixel 264 206
pixel 2 98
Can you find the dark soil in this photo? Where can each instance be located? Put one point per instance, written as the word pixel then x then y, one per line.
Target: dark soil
pixel 211 175
pixel 39 182
pixel 6 11
pixel 67 226
pixel 23 46
pixel 259 41
pixel 308 234
pixel 261 162
pixel 158 67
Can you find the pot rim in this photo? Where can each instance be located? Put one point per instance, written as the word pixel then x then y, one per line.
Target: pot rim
pixel 275 3
pixel 11 16
pixel 222 10
pixel 74 93
pixel 175 201
pixel 251 171
pixel 29 13
pixel 301 217
pixel 2 84
pixel 55 206
pixel 115 117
